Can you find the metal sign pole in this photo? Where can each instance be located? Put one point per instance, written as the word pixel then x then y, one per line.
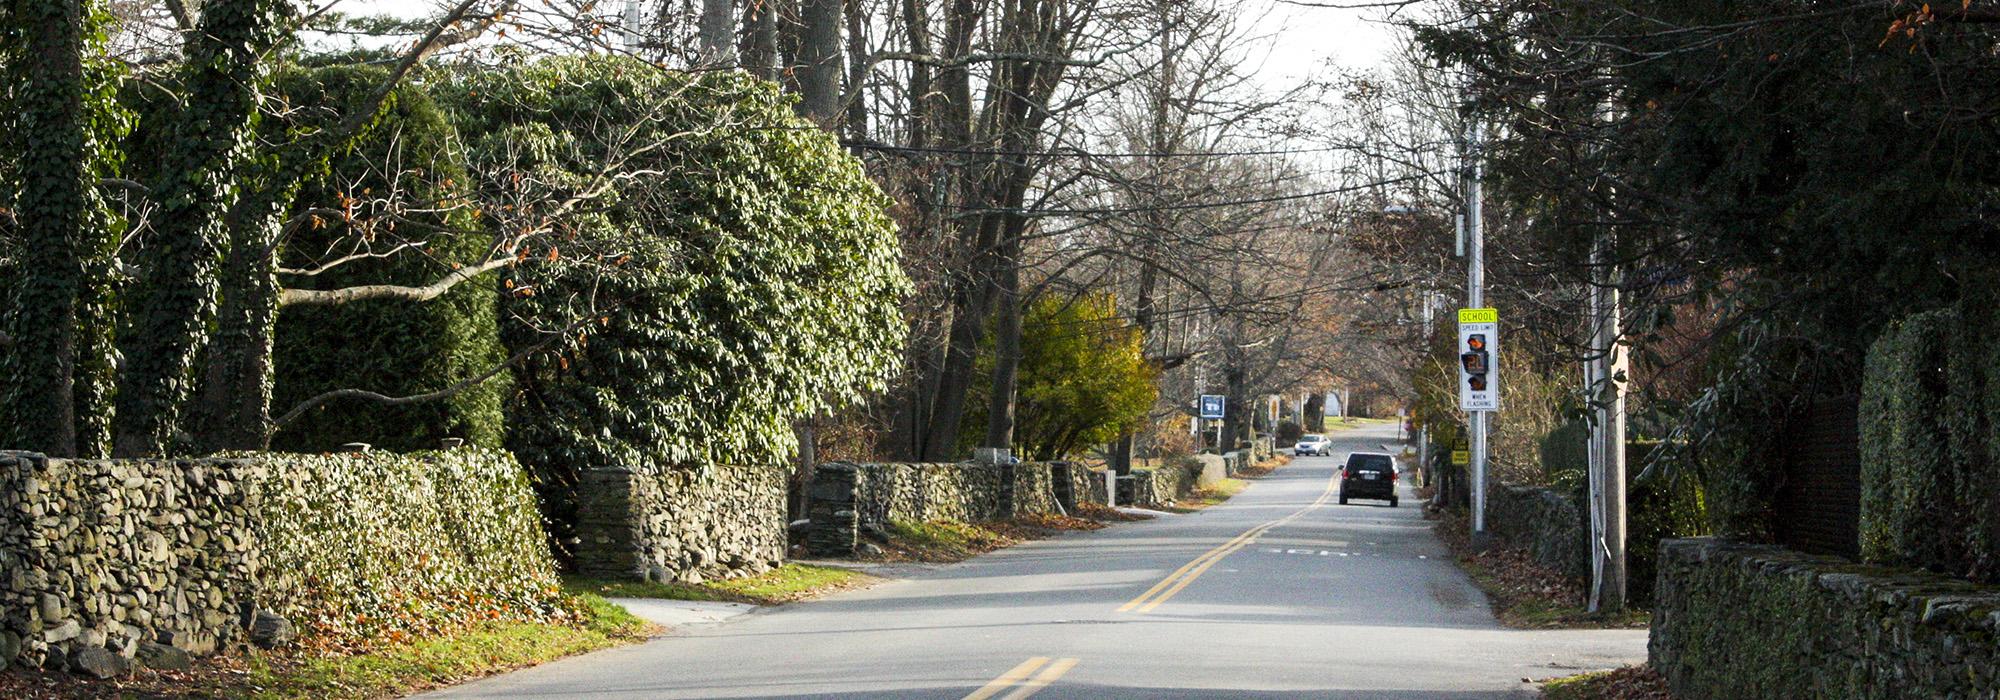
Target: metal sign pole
pixel 1475 296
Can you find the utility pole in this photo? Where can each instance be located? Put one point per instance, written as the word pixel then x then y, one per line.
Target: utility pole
pixel 1604 374
pixel 1475 298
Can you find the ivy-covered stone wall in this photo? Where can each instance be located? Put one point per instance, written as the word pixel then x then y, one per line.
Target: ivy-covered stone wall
pixel 688 524
pixel 107 561
pixel 1758 621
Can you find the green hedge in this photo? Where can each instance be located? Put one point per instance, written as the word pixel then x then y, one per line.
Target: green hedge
pixel 393 347
pixel 1926 447
pixel 1565 455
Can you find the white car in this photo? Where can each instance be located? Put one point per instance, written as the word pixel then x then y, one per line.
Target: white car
pixel 1312 445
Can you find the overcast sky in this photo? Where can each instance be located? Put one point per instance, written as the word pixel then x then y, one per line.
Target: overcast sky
pixel 1306 40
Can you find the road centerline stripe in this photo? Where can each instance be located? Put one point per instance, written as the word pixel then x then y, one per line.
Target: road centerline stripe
pixel 1043 679
pixel 1008 679
pixel 1192 570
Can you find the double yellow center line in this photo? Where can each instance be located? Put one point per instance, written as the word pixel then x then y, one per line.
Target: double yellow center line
pixel 1192 570
pixel 1018 679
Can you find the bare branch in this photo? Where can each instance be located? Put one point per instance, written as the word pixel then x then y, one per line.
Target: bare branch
pixel 330 297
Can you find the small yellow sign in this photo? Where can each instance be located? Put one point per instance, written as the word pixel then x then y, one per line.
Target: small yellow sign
pixel 1460 458
pixel 1478 316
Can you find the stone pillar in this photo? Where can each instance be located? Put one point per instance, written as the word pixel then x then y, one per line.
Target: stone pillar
pixel 836 527
pixel 1062 480
pixel 1001 461
pixel 607 522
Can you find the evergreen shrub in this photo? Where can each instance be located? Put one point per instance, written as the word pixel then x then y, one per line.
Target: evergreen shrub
pixel 389 346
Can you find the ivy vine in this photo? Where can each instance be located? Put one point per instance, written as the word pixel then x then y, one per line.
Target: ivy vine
pixel 64 125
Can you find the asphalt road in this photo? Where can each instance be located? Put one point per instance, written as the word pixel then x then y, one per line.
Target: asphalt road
pixel 1279 593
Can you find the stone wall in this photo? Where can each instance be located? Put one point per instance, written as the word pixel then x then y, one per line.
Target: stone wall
pixel 916 492
pixel 102 562
pixel 1076 484
pixel 1548 525
pixel 686 524
pixel 846 498
pixel 1158 486
pixel 1758 621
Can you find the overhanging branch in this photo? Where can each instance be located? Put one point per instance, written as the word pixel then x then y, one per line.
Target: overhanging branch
pixel 330 297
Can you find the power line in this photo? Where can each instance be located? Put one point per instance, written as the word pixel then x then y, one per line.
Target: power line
pixel 1189 206
pixel 873 146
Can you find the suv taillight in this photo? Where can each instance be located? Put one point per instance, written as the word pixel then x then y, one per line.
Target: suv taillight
pixel 1345 474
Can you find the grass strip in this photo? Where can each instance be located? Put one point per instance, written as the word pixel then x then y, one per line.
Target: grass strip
pixel 1629 683
pixel 785 584
pixel 387 669
pixel 1208 496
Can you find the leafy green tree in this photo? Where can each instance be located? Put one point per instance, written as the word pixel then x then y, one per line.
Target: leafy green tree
pixel 1084 378
pixel 743 275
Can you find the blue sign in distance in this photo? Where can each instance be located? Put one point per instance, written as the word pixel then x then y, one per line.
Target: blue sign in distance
pixel 1212 405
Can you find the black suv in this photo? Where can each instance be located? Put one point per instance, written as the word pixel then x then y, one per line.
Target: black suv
pixel 1368 475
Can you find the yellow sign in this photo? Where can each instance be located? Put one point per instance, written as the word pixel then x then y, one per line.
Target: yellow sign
pixel 1478 316
pixel 1460 458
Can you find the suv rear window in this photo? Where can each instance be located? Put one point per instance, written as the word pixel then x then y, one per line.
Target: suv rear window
pixel 1312 438
pixel 1382 462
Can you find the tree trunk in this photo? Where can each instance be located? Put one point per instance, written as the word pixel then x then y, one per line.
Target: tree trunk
pixel 760 39
pixel 1006 348
pixel 970 305
pixel 718 31
pixel 56 199
pixel 234 412
pixel 857 69
pixel 917 31
pixel 790 35
pixel 178 284
pixel 819 69
pixel 1233 423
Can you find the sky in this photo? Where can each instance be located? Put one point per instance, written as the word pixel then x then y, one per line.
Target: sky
pixel 1305 40
pixel 1302 40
